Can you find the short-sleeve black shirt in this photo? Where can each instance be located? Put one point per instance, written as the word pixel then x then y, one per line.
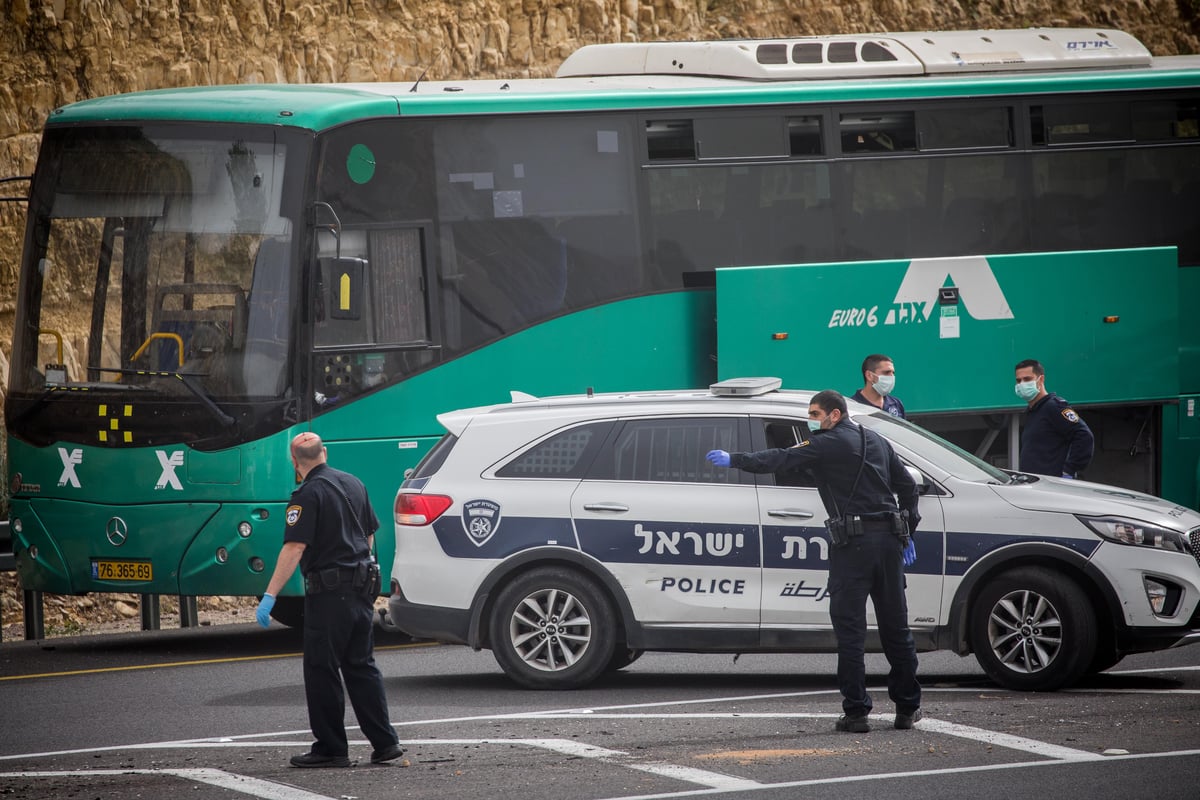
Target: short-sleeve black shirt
pixel 319 517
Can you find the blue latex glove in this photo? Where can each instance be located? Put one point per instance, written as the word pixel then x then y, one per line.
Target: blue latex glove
pixel 910 553
pixel 263 612
pixel 1068 475
pixel 718 457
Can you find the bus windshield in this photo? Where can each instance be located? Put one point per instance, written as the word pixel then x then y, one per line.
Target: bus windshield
pixel 159 268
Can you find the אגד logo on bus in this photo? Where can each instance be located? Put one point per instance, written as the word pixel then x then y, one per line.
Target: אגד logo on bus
pixel 917 296
pixel 71 459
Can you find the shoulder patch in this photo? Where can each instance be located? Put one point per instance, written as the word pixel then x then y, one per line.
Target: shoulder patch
pixel 805 443
pixel 292 515
pixel 1069 415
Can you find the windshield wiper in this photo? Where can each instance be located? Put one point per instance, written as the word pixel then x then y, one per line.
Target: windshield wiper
pixel 188 380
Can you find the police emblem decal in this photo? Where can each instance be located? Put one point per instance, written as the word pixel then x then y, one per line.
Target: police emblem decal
pixel 1069 415
pixel 292 515
pixel 480 520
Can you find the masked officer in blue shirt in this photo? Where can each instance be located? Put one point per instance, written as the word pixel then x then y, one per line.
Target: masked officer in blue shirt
pixel 329 533
pixel 859 477
pixel 1056 441
pixel 879 379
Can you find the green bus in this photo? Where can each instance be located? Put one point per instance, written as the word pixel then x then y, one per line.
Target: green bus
pixel 209 271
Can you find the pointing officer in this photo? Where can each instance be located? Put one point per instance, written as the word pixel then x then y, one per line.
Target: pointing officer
pixel 1056 441
pixel 859 477
pixel 330 530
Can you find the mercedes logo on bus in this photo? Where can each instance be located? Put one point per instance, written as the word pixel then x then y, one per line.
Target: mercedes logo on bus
pixel 117 531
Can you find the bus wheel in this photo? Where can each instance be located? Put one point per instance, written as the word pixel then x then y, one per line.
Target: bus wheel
pixel 552 628
pixel 289 611
pixel 1033 630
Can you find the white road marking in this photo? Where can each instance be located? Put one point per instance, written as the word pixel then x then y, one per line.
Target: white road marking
pixel 714 781
pixel 891 775
pixel 1148 671
pixel 255 787
pixel 928 724
pixel 566 747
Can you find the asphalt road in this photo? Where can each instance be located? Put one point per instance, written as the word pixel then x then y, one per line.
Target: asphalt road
pixel 215 713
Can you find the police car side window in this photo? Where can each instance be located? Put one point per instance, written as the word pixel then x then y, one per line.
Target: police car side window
pixel 566 454
pixel 786 433
pixel 669 450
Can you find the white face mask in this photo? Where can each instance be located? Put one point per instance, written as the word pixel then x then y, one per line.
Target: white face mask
pixel 884 384
pixel 1027 390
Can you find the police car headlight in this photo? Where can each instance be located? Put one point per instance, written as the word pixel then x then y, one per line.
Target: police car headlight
pixel 1137 533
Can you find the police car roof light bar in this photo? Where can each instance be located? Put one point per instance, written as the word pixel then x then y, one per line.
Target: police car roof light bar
pixel 744 387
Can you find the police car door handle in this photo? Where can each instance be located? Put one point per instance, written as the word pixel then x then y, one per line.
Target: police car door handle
pixel 616 507
pixel 790 513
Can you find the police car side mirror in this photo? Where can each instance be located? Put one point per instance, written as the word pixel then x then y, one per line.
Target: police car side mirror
pixel 923 485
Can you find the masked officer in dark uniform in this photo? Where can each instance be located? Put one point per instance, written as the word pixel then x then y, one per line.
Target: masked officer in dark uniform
pixel 330 530
pixel 1056 441
pixel 859 478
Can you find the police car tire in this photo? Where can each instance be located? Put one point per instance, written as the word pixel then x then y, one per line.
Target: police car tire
pixel 552 589
pixel 994 628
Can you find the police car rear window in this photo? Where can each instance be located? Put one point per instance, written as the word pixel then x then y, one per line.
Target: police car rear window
pixel 434 459
pixel 566 454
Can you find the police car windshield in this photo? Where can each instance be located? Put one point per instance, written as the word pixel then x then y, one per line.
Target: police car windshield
pixel 950 457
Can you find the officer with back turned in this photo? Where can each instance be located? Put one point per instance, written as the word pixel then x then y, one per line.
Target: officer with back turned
pixel 329 532
pixel 859 477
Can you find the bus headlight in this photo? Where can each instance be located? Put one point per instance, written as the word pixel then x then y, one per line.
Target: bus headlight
pixel 244 529
pixel 1137 533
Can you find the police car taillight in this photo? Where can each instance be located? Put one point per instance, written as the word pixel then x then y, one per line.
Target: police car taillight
pixel 419 509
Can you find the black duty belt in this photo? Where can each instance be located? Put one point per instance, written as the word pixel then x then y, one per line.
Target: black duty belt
pixel 331 579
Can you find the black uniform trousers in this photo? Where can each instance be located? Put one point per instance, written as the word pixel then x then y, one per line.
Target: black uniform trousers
pixel 871 565
pixel 339 638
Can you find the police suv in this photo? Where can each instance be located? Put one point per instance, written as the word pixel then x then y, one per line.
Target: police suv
pixel 570 534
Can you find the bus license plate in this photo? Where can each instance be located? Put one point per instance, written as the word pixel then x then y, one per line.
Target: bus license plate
pixel 122 571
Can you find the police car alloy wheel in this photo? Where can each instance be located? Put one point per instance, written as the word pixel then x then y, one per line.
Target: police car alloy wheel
pixel 1033 630
pixel 553 628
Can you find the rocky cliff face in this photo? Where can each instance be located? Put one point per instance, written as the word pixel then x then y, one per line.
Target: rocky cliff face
pixel 58 51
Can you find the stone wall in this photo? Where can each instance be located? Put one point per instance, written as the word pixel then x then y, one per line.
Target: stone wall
pixel 61 51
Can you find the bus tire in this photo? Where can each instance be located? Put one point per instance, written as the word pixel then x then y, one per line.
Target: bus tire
pixel 289 611
pixel 1033 630
pixel 552 628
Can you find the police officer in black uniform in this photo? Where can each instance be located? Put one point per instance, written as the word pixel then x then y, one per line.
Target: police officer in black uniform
pixel 1056 441
pixel 330 532
pixel 859 478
